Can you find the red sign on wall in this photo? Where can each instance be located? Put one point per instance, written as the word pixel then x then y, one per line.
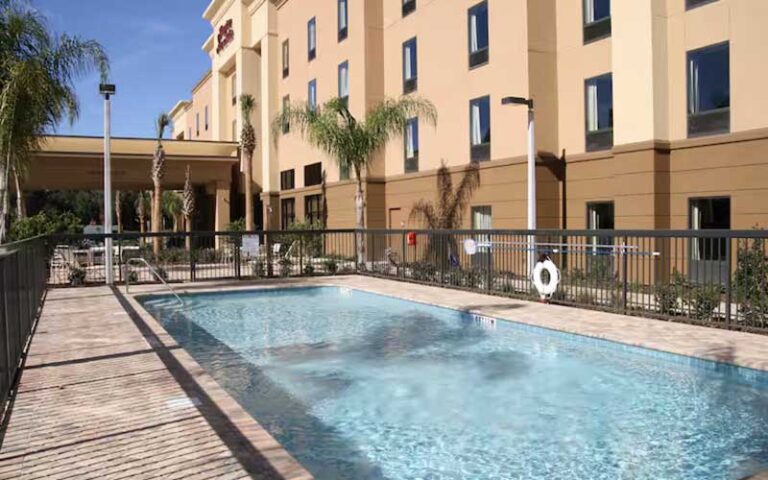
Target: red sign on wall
pixel 226 35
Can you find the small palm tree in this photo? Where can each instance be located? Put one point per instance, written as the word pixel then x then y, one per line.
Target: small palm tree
pixel 188 206
pixel 173 206
pixel 158 172
pixel 350 142
pixel 247 147
pixel 448 212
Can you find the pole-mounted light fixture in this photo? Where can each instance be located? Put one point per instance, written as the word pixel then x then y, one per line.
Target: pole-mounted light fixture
pixel 107 90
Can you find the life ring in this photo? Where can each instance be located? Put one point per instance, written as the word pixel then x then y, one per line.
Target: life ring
pixel 546 289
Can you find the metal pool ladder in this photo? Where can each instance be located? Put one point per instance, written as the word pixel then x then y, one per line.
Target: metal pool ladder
pixel 142 260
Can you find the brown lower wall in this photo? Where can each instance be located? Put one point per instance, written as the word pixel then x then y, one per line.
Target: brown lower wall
pixel 650 184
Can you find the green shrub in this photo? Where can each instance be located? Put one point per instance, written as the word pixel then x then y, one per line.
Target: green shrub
pixel 76 276
pixel 258 270
pixel 45 224
pixel 331 266
pixel 751 282
pixel 702 301
pixel 286 266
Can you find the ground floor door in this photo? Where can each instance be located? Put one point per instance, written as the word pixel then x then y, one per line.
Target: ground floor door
pixel 708 262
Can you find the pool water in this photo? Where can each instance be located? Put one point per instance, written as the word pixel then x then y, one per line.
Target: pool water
pixel 361 386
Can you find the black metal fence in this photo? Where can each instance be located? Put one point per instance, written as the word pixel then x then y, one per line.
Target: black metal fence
pixel 714 278
pixel 22 287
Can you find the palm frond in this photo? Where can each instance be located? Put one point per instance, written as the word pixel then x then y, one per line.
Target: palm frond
pixel 460 199
pixel 162 122
pixel 247 104
pixel 424 212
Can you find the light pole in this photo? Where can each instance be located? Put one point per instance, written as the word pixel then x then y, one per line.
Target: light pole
pixel 108 90
pixel 531 172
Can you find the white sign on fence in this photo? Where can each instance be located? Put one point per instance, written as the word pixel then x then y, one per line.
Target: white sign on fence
pixel 251 245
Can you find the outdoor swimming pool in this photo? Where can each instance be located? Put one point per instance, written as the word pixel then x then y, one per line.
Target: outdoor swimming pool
pixel 362 386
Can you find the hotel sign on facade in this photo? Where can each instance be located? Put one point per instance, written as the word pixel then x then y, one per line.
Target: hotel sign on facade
pixel 226 35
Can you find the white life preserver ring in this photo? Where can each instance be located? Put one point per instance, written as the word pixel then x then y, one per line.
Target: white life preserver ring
pixel 546 289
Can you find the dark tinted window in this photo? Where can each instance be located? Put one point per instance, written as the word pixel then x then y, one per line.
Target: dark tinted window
pixel 287 179
pixel 408 6
pixel 410 66
pixel 412 145
pixel 480 128
pixel 709 90
pixel 313 208
pixel 343 19
pixel 312 39
pixel 286 58
pixel 313 174
pixel 597 19
pixel 287 212
pixel 598 96
pixel 689 4
pixel 478 34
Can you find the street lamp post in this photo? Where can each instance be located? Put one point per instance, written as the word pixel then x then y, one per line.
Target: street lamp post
pixel 531 172
pixel 108 90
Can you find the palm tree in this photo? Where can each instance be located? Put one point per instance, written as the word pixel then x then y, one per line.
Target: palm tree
pixel 188 207
pixel 158 172
pixel 173 206
pixel 448 212
pixel 141 213
pixel 351 143
pixel 38 70
pixel 248 146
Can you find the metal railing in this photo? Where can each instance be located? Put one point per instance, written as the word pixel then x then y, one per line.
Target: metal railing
pixel 22 289
pixel 709 277
pixel 153 271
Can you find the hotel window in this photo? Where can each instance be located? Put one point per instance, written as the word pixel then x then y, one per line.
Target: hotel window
pixel 234 89
pixel 286 58
pixel 286 106
pixel 206 118
pixel 412 145
pixel 190 133
pixel 689 4
pixel 408 6
pixel 313 174
pixel 480 129
pixel 288 179
pixel 312 39
pixel 312 94
pixel 478 35
pixel 600 216
pixel 344 82
pixel 410 66
pixel 709 90
pixel 197 124
pixel 597 19
pixel 598 96
pixel 287 212
pixel 708 255
pixel 482 219
pixel 234 130
pixel 343 15
pixel 343 172
pixel 313 209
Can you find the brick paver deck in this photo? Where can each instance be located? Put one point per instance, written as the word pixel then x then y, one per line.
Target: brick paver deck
pixel 102 397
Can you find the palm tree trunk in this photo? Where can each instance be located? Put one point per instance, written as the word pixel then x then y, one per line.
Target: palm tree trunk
pixel 3 202
pixel 360 220
pixel 188 224
pixel 249 223
pixel 157 218
pixel 21 211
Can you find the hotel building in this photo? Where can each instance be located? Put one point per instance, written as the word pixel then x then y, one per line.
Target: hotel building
pixel 650 114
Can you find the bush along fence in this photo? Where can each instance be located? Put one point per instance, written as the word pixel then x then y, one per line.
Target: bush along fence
pixel 22 288
pixel 715 278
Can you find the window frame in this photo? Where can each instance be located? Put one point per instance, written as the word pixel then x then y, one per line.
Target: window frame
pixel 602 138
pixel 480 152
pixel 597 30
pixel 342 32
pixel 284 218
pixel 286 102
pixel 481 56
pixel 408 7
pixel 312 94
pixel 288 179
pixel 311 38
pixel 344 66
pixel 410 85
pixel 411 164
pixel 206 118
pixel 344 173
pixel 719 117
pixel 197 124
pixel 233 86
pixel 313 215
pixel 286 55
pixel 312 178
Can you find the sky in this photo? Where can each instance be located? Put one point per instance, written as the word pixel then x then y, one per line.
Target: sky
pixel 155 50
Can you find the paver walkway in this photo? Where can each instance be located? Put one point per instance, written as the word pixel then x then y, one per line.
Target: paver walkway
pixel 101 398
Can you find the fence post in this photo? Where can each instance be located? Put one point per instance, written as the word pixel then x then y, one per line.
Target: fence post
pixel 268 244
pixel 238 245
pixel 301 254
pixel 728 285
pixel 625 263
pixel 489 263
pixel 404 259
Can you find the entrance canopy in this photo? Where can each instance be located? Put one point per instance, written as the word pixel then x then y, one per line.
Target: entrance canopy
pixel 77 163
